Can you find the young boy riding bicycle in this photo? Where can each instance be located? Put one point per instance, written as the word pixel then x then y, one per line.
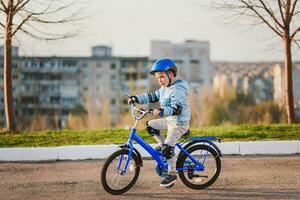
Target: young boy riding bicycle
pixel 174 112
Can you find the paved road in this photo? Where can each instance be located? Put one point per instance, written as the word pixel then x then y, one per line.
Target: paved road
pixel 276 177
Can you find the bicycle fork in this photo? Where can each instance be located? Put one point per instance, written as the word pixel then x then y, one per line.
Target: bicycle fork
pixel 123 171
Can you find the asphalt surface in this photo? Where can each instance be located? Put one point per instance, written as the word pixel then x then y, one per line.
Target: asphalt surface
pixel 259 177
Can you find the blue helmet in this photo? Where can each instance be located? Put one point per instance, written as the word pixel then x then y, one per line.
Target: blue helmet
pixel 163 65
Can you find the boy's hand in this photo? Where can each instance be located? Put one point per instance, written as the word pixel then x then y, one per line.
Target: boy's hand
pixel 129 101
pixel 132 99
pixel 156 112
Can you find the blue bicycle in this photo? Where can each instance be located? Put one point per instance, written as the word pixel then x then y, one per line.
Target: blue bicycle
pixel 198 163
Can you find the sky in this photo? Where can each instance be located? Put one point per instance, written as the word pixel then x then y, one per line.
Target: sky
pixel 130 25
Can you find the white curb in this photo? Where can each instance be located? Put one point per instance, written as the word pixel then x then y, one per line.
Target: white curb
pixel 272 147
pixel 82 152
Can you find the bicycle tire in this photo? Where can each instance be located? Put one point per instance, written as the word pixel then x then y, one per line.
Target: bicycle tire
pixel 216 159
pixel 107 187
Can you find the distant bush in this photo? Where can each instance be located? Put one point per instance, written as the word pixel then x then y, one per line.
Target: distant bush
pixel 218 115
pixel 234 108
pixel 76 122
pixel 262 113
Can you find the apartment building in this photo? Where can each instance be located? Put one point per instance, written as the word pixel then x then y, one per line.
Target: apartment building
pixel 15 87
pixel 262 80
pixel 279 83
pixel 192 58
pixel 54 86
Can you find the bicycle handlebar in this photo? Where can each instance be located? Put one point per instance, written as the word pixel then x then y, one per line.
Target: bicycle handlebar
pixel 139 113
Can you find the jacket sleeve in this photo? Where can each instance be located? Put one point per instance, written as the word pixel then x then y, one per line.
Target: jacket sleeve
pixel 149 97
pixel 178 100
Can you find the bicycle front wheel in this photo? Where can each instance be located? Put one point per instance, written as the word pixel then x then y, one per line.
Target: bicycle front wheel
pixel 115 180
pixel 191 176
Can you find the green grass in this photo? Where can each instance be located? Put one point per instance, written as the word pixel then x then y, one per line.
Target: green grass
pixel 119 136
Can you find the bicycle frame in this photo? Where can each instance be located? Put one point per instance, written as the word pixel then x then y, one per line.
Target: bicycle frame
pixel 122 168
pixel 154 154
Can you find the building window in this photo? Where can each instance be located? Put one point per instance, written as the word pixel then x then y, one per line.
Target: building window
pixel 113 77
pixel 70 63
pixel 113 102
pixel 98 76
pixel 178 61
pixel 15 77
pixel 84 65
pixel 54 99
pixel 85 76
pixel 195 61
pixel 29 100
pixel 27 88
pixel 113 66
pixel 68 100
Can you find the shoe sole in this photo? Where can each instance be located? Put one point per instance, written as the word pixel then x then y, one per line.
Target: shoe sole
pixel 168 185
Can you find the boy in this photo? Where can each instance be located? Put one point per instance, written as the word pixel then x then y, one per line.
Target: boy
pixel 174 111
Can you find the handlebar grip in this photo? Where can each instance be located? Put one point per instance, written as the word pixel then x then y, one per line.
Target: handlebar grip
pixel 134 99
pixel 151 111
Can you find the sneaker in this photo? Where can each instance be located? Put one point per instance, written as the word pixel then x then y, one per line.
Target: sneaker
pixel 168 180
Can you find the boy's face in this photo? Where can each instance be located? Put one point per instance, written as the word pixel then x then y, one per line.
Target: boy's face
pixel 162 78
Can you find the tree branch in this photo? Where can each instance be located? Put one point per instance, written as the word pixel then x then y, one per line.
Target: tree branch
pixel 271 13
pixel 296 13
pixel 50 38
pixel 283 3
pixel 46 33
pixel 2 10
pixel 3 6
pixel 64 20
pixel 287 12
pixel 2 25
pixel 21 24
pixel 295 32
pixel 294 6
pixel 17 9
pixel 262 18
pixel 71 18
pixel 296 42
pixel 281 11
pixel 44 12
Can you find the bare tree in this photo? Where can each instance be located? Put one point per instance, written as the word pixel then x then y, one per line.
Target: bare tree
pixel 282 18
pixel 38 19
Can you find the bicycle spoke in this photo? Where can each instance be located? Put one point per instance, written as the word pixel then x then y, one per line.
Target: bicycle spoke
pixel 115 179
pixel 193 175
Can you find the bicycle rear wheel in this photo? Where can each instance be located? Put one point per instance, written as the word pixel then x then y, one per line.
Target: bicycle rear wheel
pixel 194 178
pixel 114 180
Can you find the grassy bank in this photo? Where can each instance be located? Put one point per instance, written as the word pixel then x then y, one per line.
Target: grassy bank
pixel 118 136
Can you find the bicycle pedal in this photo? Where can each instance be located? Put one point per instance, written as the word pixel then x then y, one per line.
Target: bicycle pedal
pixel 172 185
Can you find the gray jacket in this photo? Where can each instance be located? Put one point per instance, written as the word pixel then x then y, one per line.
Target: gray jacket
pixel 173 101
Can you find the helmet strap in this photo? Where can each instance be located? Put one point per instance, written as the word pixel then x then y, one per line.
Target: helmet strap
pixel 168 78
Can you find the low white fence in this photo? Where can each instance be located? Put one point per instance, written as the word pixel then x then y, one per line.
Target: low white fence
pixel 83 152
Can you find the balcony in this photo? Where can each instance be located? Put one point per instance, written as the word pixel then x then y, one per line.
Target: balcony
pixel 50 82
pixel 50 69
